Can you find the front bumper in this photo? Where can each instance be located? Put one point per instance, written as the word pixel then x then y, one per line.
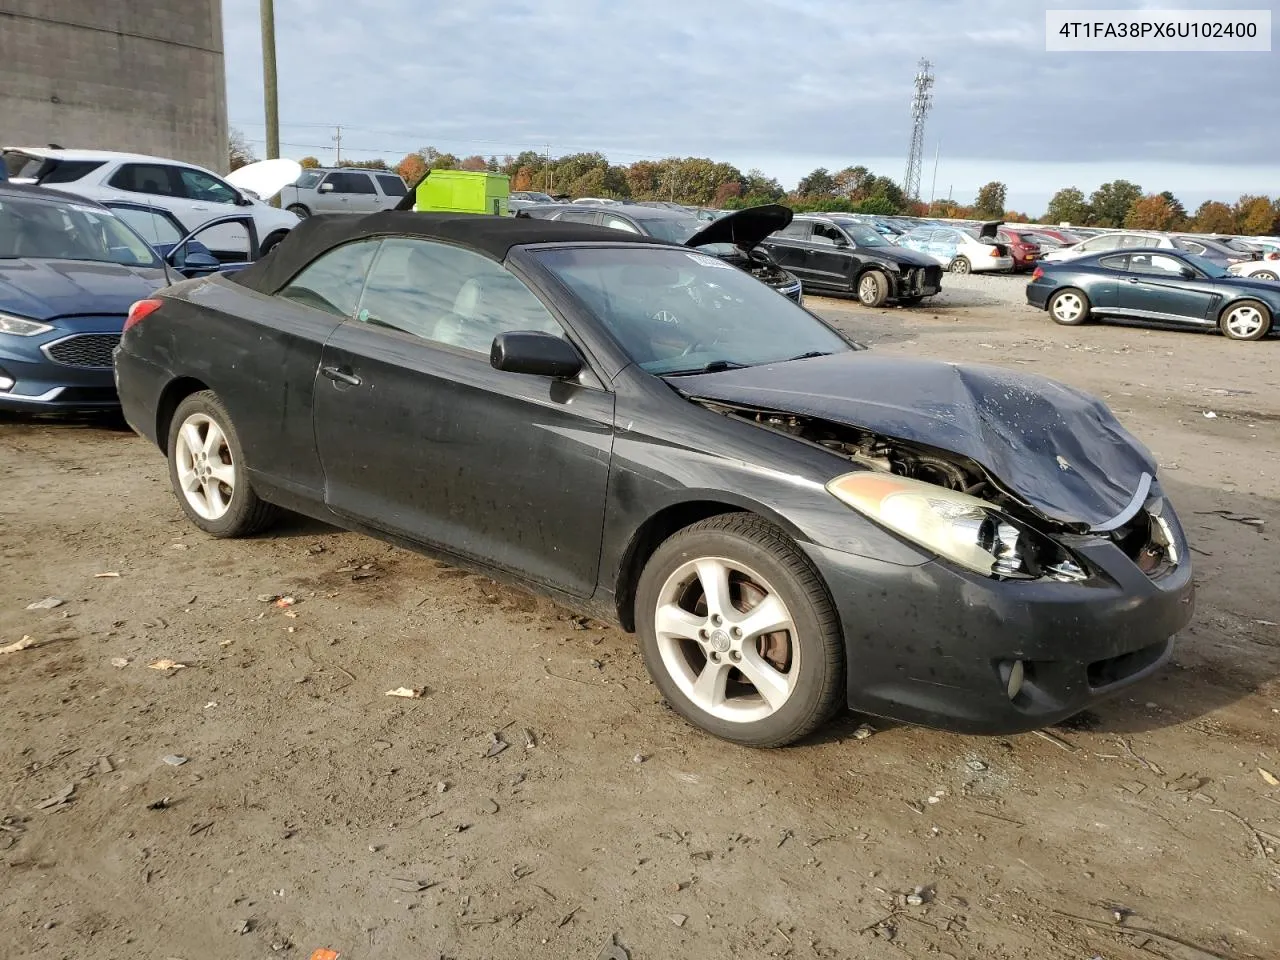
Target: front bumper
pixel 911 282
pixel 934 645
pixel 31 381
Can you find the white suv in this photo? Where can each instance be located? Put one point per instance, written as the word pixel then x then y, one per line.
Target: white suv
pixel 192 194
pixel 1107 241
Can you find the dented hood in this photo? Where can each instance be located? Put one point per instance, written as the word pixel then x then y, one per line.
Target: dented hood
pixel 1059 449
pixel 744 228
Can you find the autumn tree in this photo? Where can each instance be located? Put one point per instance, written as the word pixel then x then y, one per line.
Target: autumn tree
pixel 990 201
pixel 1110 203
pixel 1255 215
pixel 474 163
pixel 758 189
pixel 1212 216
pixel 412 168
pixel 1152 212
pixel 1068 205
pixel 730 190
pixel 378 164
pixel 523 179
pixel 239 151
pixel 1179 211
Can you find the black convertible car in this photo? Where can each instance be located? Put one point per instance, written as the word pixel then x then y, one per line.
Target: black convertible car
pixel 1161 285
pixel 788 521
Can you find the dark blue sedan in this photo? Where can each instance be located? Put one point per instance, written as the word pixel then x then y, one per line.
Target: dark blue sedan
pixel 69 271
pixel 1161 285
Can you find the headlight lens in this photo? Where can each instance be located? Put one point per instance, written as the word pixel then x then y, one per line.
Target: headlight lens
pixel 963 529
pixel 18 327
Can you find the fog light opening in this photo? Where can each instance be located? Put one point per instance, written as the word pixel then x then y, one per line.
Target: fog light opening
pixel 1017 673
pixel 6 383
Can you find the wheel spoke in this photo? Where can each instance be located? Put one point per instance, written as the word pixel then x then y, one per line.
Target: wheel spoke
pixel 190 435
pixel 714 577
pixel 673 621
pixel 224 472
pixel 213 441
pixel 770 683
pixel 213 496
pixel 768 616
pixel 188 479
pixel 709 688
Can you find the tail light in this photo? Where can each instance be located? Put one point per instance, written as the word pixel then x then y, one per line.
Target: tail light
pixel 995 251
pixel 1037 273
pixel 141 310
pixel 1273 256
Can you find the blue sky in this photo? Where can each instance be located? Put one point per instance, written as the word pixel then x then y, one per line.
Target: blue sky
pixel 783 85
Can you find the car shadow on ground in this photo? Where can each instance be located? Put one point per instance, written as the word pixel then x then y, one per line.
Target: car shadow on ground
pixel 109 420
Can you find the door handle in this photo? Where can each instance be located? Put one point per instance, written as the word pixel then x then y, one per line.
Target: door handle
pixel 341 375
pixel 199 206
pixel 1131 280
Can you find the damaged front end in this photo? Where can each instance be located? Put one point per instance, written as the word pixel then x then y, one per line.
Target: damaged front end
pixel 760 265
pixel 954 507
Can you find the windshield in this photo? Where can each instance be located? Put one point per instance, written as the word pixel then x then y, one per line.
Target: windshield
pixel 863 235
pixel 677 311
pixel 1208 267
pixel 53 230
pixel 672 229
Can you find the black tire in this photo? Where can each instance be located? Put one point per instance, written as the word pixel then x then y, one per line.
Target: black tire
pixel 271 242
pixel 816 646
pixel 1230 325
pixel 245 512
pixel 910 301
pixel 961 265
pixel 1264 275
pixel 298 210
pixel 1061 303
pixel 872 288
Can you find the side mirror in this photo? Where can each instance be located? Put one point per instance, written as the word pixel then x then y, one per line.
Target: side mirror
pixel 841 243
pixel 244 199
pixel 536 353
pixel 180 258
pixel 1187 273
pixel 326 188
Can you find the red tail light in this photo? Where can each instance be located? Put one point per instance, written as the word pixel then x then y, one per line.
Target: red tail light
pixel 1273 256
pixel 1037 273
pixel 141 310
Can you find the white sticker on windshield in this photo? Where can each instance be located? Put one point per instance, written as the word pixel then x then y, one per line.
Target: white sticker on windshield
pixel 706 261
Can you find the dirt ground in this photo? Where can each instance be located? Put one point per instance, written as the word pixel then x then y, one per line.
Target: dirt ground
pixel 315 811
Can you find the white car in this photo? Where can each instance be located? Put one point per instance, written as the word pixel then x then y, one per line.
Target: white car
pixel 1268 268
pixel 958 250
pixel 1107 241
pixel 192 194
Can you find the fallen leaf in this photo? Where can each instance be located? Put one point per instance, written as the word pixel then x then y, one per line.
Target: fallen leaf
pixel 103 576
pixel 285 601
pixel 409 693
pixel 167 664
pixel 17 645
pixel 324 953
pixel 1271 778
pixel 119 662
pixel 48 603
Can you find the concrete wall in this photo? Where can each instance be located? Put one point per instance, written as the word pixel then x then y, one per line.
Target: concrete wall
pixel 144 76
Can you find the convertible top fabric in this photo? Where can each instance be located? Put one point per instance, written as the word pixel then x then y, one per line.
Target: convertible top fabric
pixel 486 234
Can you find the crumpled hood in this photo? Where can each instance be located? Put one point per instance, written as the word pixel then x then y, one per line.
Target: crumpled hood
pixel 743 228
pixel 43 289
pixel 1058 448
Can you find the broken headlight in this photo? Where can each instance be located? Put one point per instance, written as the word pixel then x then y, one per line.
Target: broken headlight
pixel 965 530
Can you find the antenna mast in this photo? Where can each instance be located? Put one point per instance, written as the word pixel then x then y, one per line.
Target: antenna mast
pixel 920 105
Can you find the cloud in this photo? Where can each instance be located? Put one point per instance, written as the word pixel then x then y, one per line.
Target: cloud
pixel 740 81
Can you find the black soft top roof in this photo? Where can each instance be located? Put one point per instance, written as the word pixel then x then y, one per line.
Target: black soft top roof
pixel 484 233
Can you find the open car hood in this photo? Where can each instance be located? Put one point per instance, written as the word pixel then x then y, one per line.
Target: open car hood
pixel 744 228
pixel 1058 449
pixel 988 230
pixel 266 178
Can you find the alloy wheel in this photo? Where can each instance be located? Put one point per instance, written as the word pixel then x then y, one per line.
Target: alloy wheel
pixel 206 471
pixel 1244 322
pixel 1068 307
pixel 727 639
pixel 867 289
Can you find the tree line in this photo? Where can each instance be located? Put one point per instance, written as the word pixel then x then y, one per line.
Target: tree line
pixel 699 181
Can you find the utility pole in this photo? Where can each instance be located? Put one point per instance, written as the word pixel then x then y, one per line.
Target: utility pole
pixel 934 186
pixel 920 105
pixel 337 139
pixel 270 101
pixel 546 171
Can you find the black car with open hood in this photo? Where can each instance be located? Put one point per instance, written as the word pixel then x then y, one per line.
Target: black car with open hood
pixel 843 254
pixel 734 238
pixel 789 522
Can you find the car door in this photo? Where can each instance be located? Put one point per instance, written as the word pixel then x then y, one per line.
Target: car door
pixel 1156 288
pixel 393 189
pixel 790 246
pixel 1102 284
pixel 827 261
pixel 419 436
pixel 159 185
pixel 363 194
pixel 334 194
pixel 943 245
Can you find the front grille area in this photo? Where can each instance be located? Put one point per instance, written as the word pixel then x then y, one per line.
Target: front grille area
pixel 918 279
pixel 84 349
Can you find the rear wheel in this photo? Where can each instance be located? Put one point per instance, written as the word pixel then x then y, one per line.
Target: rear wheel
pixel 207 471
pixel 1069 307
pixel 961 265
pixel 1245 320
pixel 739 633
pixel 298 210
pixel 1264 275
pixel 873 289
pixel 269 244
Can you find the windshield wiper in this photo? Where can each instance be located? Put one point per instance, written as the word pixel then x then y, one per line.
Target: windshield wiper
pixel 715 366
pixel 810 355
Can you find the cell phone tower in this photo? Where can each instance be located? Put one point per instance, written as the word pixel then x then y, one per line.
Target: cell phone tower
pixel 920 105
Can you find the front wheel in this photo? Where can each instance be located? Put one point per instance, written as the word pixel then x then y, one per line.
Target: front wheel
pixel 1246 320
pixel 207 471
pixel 298 210
pixel 961 265
pixel 1264 275
pixel 873 289
pixel 1069 307
pixel 271 242
pixel 738 632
